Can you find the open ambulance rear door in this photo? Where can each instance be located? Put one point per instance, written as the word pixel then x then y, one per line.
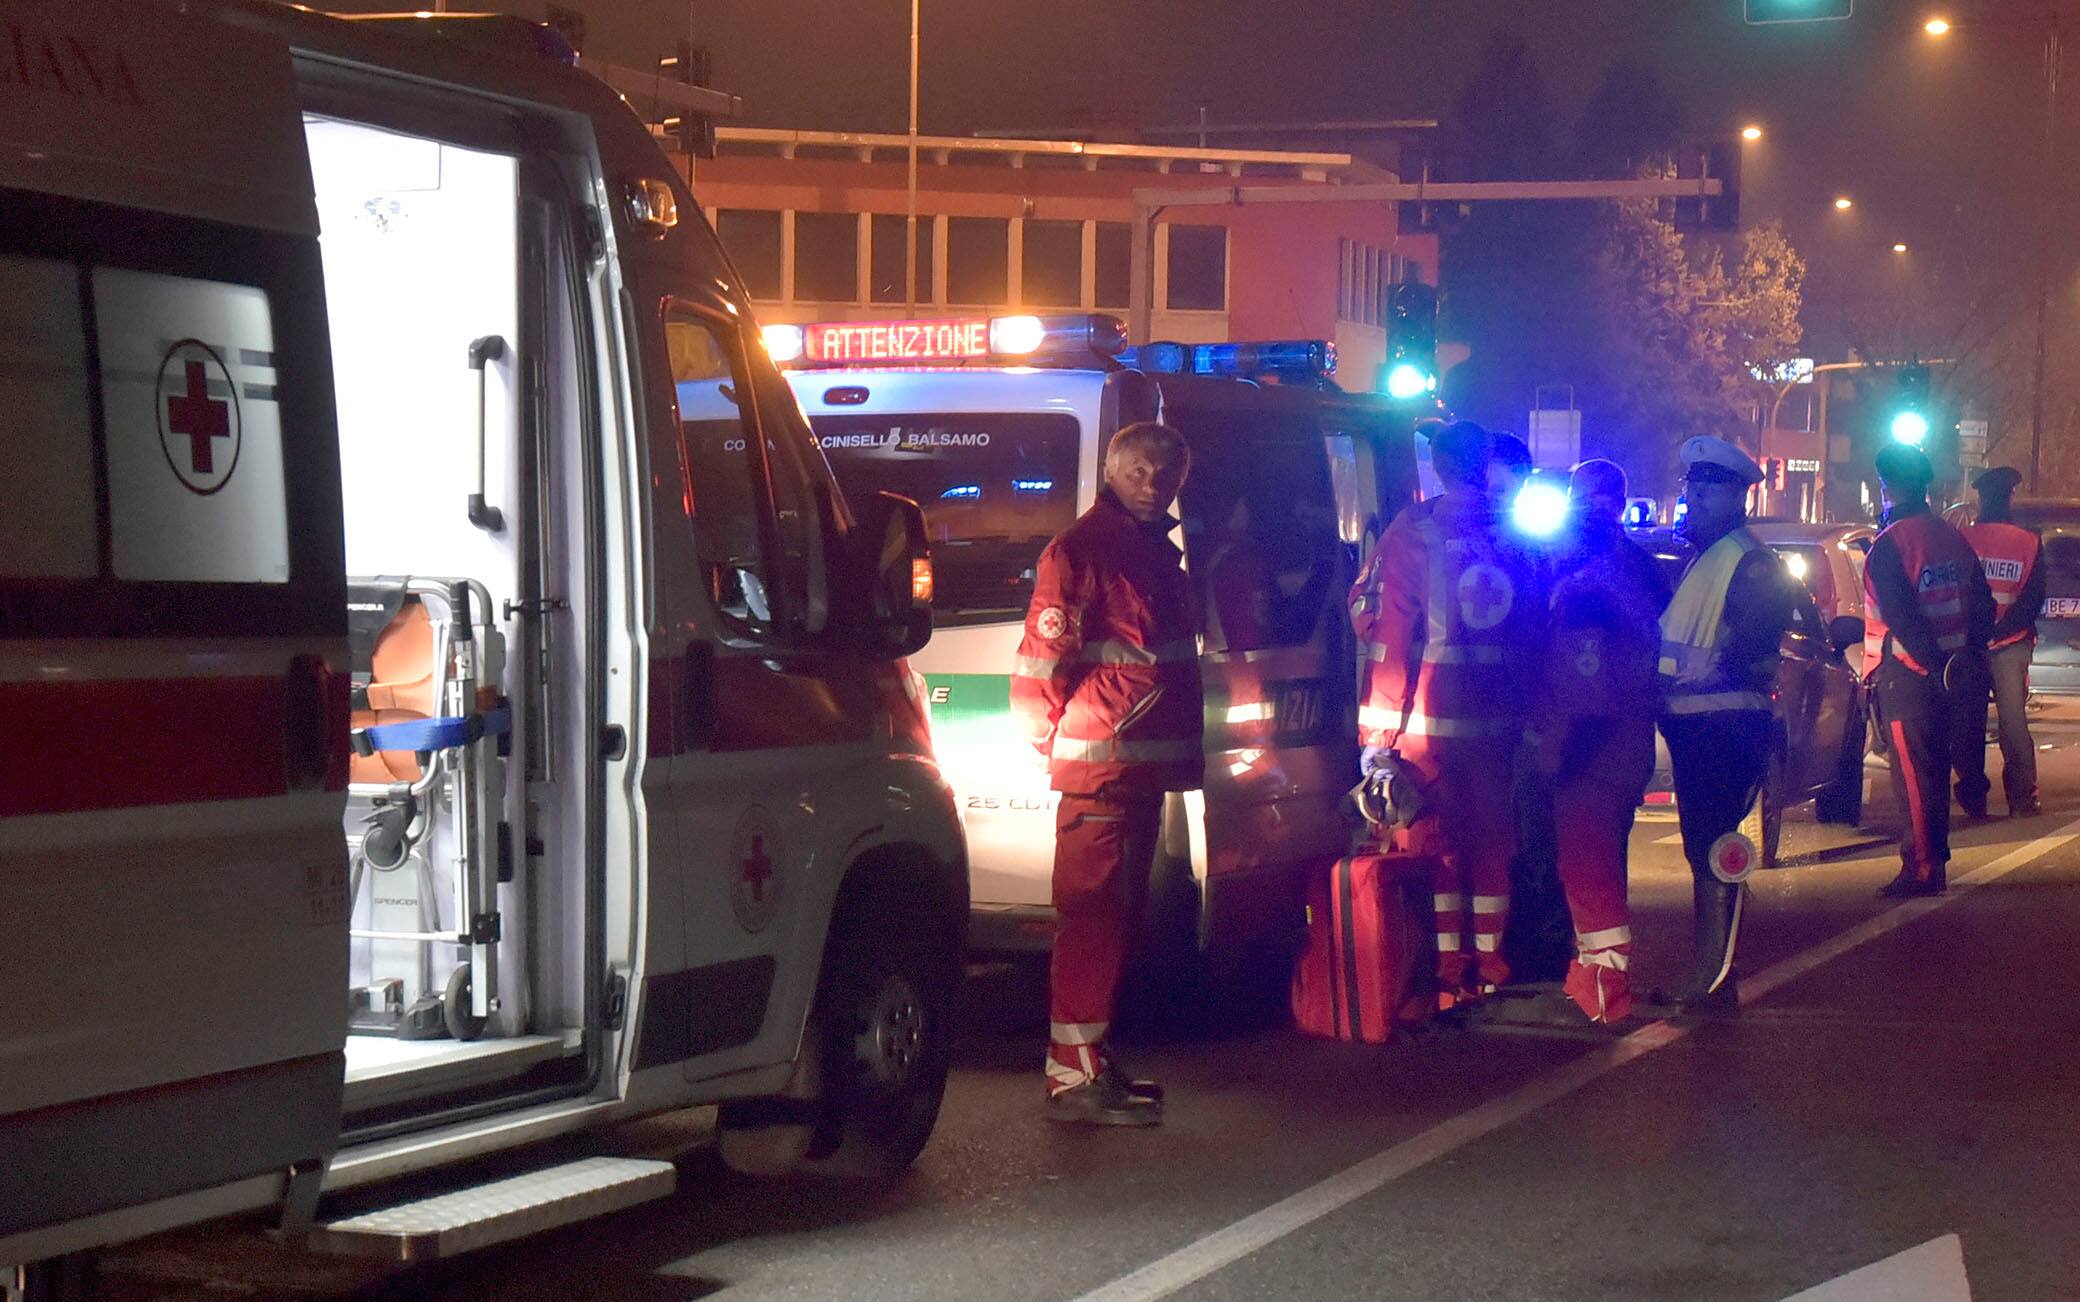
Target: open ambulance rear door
pixel 172 630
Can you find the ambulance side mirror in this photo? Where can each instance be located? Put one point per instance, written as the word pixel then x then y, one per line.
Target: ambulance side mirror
pixel 888 586
pixel 1843 632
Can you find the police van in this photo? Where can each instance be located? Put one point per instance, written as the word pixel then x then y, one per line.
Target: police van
pixel 998 428
pixel 450 705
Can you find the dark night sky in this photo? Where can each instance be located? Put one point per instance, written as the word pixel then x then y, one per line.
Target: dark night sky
pixel 1938 142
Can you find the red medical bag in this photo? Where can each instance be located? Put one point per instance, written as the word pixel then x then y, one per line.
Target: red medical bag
pixel 1368 945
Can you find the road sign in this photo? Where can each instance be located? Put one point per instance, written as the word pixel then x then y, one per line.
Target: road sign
pixel 1556 439
pixel 1971 443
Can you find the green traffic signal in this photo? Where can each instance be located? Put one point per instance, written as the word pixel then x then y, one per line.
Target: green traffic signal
pixel 1796 11
pixel 1411 341
pixel 1910 422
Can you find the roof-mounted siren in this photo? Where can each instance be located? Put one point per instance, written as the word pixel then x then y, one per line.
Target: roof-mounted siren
pixel 1289 361
pixel 1068 340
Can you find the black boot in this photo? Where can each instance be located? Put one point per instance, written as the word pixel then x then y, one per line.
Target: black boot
pixel 1103 1102
pixel 1715 932
pixel 1908 885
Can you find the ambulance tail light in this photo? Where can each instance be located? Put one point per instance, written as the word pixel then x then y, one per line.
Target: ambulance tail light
pixel 783 342
pixel 1286 359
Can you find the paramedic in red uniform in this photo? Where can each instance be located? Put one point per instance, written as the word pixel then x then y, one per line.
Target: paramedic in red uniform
pixel 1448 614
pixel 2011 557
pixel 1107 688
pixel 1929 619
pixel 1592 729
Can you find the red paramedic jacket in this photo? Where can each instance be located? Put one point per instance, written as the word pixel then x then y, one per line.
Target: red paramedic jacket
pixel 1106 685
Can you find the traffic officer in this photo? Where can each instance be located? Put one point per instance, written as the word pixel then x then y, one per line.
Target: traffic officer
pixel 1719 648
pixel 1592 728
pixel 1509 469
pixel 1107 688
pixel 2010 557
pixel 1929 615
pixel 1448 611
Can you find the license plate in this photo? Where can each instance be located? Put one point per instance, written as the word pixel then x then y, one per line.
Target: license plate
pixel 2062 608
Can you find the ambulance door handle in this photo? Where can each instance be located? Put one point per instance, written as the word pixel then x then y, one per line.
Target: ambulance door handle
pixel 487 348
pixel 315 726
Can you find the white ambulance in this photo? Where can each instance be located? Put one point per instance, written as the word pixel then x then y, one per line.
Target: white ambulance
pixel 449 705
pixel 997 427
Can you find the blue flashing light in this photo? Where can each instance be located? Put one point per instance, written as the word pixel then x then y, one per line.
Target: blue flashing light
pixel 1407 380
pixel 1285 358
pixel 1539 509
pixel 963 493
pixel 1639 515
pixel 1910 428
pixel 1032 485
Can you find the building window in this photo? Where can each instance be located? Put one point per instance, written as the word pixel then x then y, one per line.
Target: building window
pixel 752 239
pixel 826 257
pixel 1198 268
pixel 978 260
pixel 889 269
pixel 1053 264
pixel 1343 280
pixel 1115 269
pixel 1368 287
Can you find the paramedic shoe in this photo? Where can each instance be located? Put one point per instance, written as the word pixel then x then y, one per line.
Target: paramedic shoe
pixel 1603 994
pixel 1142 1089
pixel 2024 809
pixel 1102 1102
pixel 1907 886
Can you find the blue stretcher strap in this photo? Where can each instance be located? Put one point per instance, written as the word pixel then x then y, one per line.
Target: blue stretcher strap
pixel 439 734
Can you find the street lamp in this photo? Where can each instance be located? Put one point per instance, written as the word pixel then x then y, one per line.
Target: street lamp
pixel 1899 248
pixel 1751 133
pixel 1844 203
pixel 2054 57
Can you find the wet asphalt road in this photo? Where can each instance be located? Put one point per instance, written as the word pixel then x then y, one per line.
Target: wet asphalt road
pixel 1895 1076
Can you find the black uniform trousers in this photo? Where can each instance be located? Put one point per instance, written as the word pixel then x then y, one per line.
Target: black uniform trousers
pixel 1921 720
pixel 1720 759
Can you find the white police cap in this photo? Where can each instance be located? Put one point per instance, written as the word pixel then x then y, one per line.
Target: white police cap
pixel 1705 450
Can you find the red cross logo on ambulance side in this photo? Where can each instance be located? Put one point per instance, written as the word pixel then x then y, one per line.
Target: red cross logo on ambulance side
pixel 1485 595
pixel 198 416
pixel 754 894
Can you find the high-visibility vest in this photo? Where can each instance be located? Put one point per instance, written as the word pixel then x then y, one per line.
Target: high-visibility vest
pixel 1936 559
pixel 1470 656
pixel 2007 554
pixel 1694 632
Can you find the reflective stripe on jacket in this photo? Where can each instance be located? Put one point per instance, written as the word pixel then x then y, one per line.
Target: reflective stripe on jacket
pixel 1446 614
pixel 1936 560
pixel 2008 556
pixel 1694 677
pixel 1106 682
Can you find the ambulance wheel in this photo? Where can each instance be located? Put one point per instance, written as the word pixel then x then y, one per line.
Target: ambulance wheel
pixel 884 1014
pixel 455 1006
pixel 1841 801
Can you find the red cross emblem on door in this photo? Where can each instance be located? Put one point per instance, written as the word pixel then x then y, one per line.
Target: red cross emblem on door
pixel 198 431
pixel 754 894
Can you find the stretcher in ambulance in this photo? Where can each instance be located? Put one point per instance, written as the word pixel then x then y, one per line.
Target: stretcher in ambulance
pixel 998 429
pixel 452 705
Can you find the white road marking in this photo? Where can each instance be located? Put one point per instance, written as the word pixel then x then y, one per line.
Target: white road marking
pixel 1933 1272
pixel 1202 1257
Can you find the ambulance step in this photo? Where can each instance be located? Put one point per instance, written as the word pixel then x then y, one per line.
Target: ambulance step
pixel 468 1219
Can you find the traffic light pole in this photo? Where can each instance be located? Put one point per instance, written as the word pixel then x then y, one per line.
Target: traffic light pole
pixel 2053 55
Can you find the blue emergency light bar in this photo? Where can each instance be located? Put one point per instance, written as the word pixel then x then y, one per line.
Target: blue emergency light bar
pixel 948 341
pixel 1285 358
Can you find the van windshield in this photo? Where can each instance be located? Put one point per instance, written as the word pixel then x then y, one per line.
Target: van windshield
pixel 995 487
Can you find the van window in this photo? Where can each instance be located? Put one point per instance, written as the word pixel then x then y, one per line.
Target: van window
pixel 721 468
pixel 48 528
pixel 995 487
pixel 1260 533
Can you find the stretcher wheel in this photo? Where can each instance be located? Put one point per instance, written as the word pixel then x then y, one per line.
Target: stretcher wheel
pixel 455 1007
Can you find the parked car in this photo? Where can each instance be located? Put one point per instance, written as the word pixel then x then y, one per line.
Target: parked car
pixel 2055 668
pixel 1819 701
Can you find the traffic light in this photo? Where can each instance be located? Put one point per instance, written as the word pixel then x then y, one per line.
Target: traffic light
pixel 1411 341
pixel 1910 405
pixel 1796 11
